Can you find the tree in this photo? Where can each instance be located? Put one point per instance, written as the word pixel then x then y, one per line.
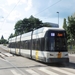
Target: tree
pixel 11 35
pixel 28 24
pixel 68 32
pixel 71 27
pixel 3 41
pixel 2 38
pixel 46 25
pixel 18 27
pixel 71 30
pixel 65 27
pixel 64 24
pixel 34 23
pixel 25 25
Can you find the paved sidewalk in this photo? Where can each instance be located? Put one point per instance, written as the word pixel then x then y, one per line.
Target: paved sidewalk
pixel 72 55
pixel 4 47
pixel 71 52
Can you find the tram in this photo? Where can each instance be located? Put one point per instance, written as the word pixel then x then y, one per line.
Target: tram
pixel 45 44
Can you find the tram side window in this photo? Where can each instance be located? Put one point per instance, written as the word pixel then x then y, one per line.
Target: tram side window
pixel 47 44
pixel 38 44
pixel 12 45
pixel 28 44
pixel 9 45
pixel 42 44
pixel 21 45
pixel 33 44
pixel 25 44
pixel 17 44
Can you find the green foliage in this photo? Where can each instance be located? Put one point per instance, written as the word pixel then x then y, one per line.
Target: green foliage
pixel 34 23
pixel 25 25
pixel 71 27
pixel 3 41
pixel 28 24
pixel 46 25
pixel 18 27
pixel 2 37
pixel 64 24
pixel 11 35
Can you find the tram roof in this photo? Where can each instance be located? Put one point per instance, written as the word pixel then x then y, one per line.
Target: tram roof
pixel 41 30
pixel 37 31
pixel 44 29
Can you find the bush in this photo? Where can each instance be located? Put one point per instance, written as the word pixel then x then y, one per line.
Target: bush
pixel 3 41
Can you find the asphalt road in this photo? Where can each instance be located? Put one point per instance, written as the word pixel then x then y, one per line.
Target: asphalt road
pixel 17 65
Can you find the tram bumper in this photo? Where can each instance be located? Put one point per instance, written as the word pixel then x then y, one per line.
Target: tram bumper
pixel 58 60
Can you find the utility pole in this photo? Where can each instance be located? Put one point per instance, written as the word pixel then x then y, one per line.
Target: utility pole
pixel 58 18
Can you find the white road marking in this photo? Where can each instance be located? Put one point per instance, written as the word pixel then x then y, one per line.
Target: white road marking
pixel 72 55
pixel 70 69
pixel 8 54
pixel 1 55
pixel 48 71
pixel 62 71
pixel 32 72
pixel 14 72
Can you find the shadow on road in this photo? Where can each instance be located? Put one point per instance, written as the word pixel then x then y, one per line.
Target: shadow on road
pixel 66 65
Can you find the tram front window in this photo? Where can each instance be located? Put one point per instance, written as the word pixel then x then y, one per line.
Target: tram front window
pixel 57 41
pixel 60 44
pixel 52 47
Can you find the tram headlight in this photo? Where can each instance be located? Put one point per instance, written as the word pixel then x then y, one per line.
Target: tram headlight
pixel 66 54
pixel 51 54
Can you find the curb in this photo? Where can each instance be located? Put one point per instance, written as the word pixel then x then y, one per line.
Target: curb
pixel 72 52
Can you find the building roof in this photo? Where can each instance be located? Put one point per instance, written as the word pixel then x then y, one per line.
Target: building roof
pixel 53 24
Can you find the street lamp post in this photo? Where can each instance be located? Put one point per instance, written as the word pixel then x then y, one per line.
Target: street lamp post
pixel 58 18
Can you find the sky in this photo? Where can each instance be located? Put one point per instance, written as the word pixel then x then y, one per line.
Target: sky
pixel 46 10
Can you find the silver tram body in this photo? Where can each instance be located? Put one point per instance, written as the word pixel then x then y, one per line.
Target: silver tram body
pixel 44 44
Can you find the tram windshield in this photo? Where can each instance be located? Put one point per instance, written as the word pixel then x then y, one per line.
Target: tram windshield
pixel 56 41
